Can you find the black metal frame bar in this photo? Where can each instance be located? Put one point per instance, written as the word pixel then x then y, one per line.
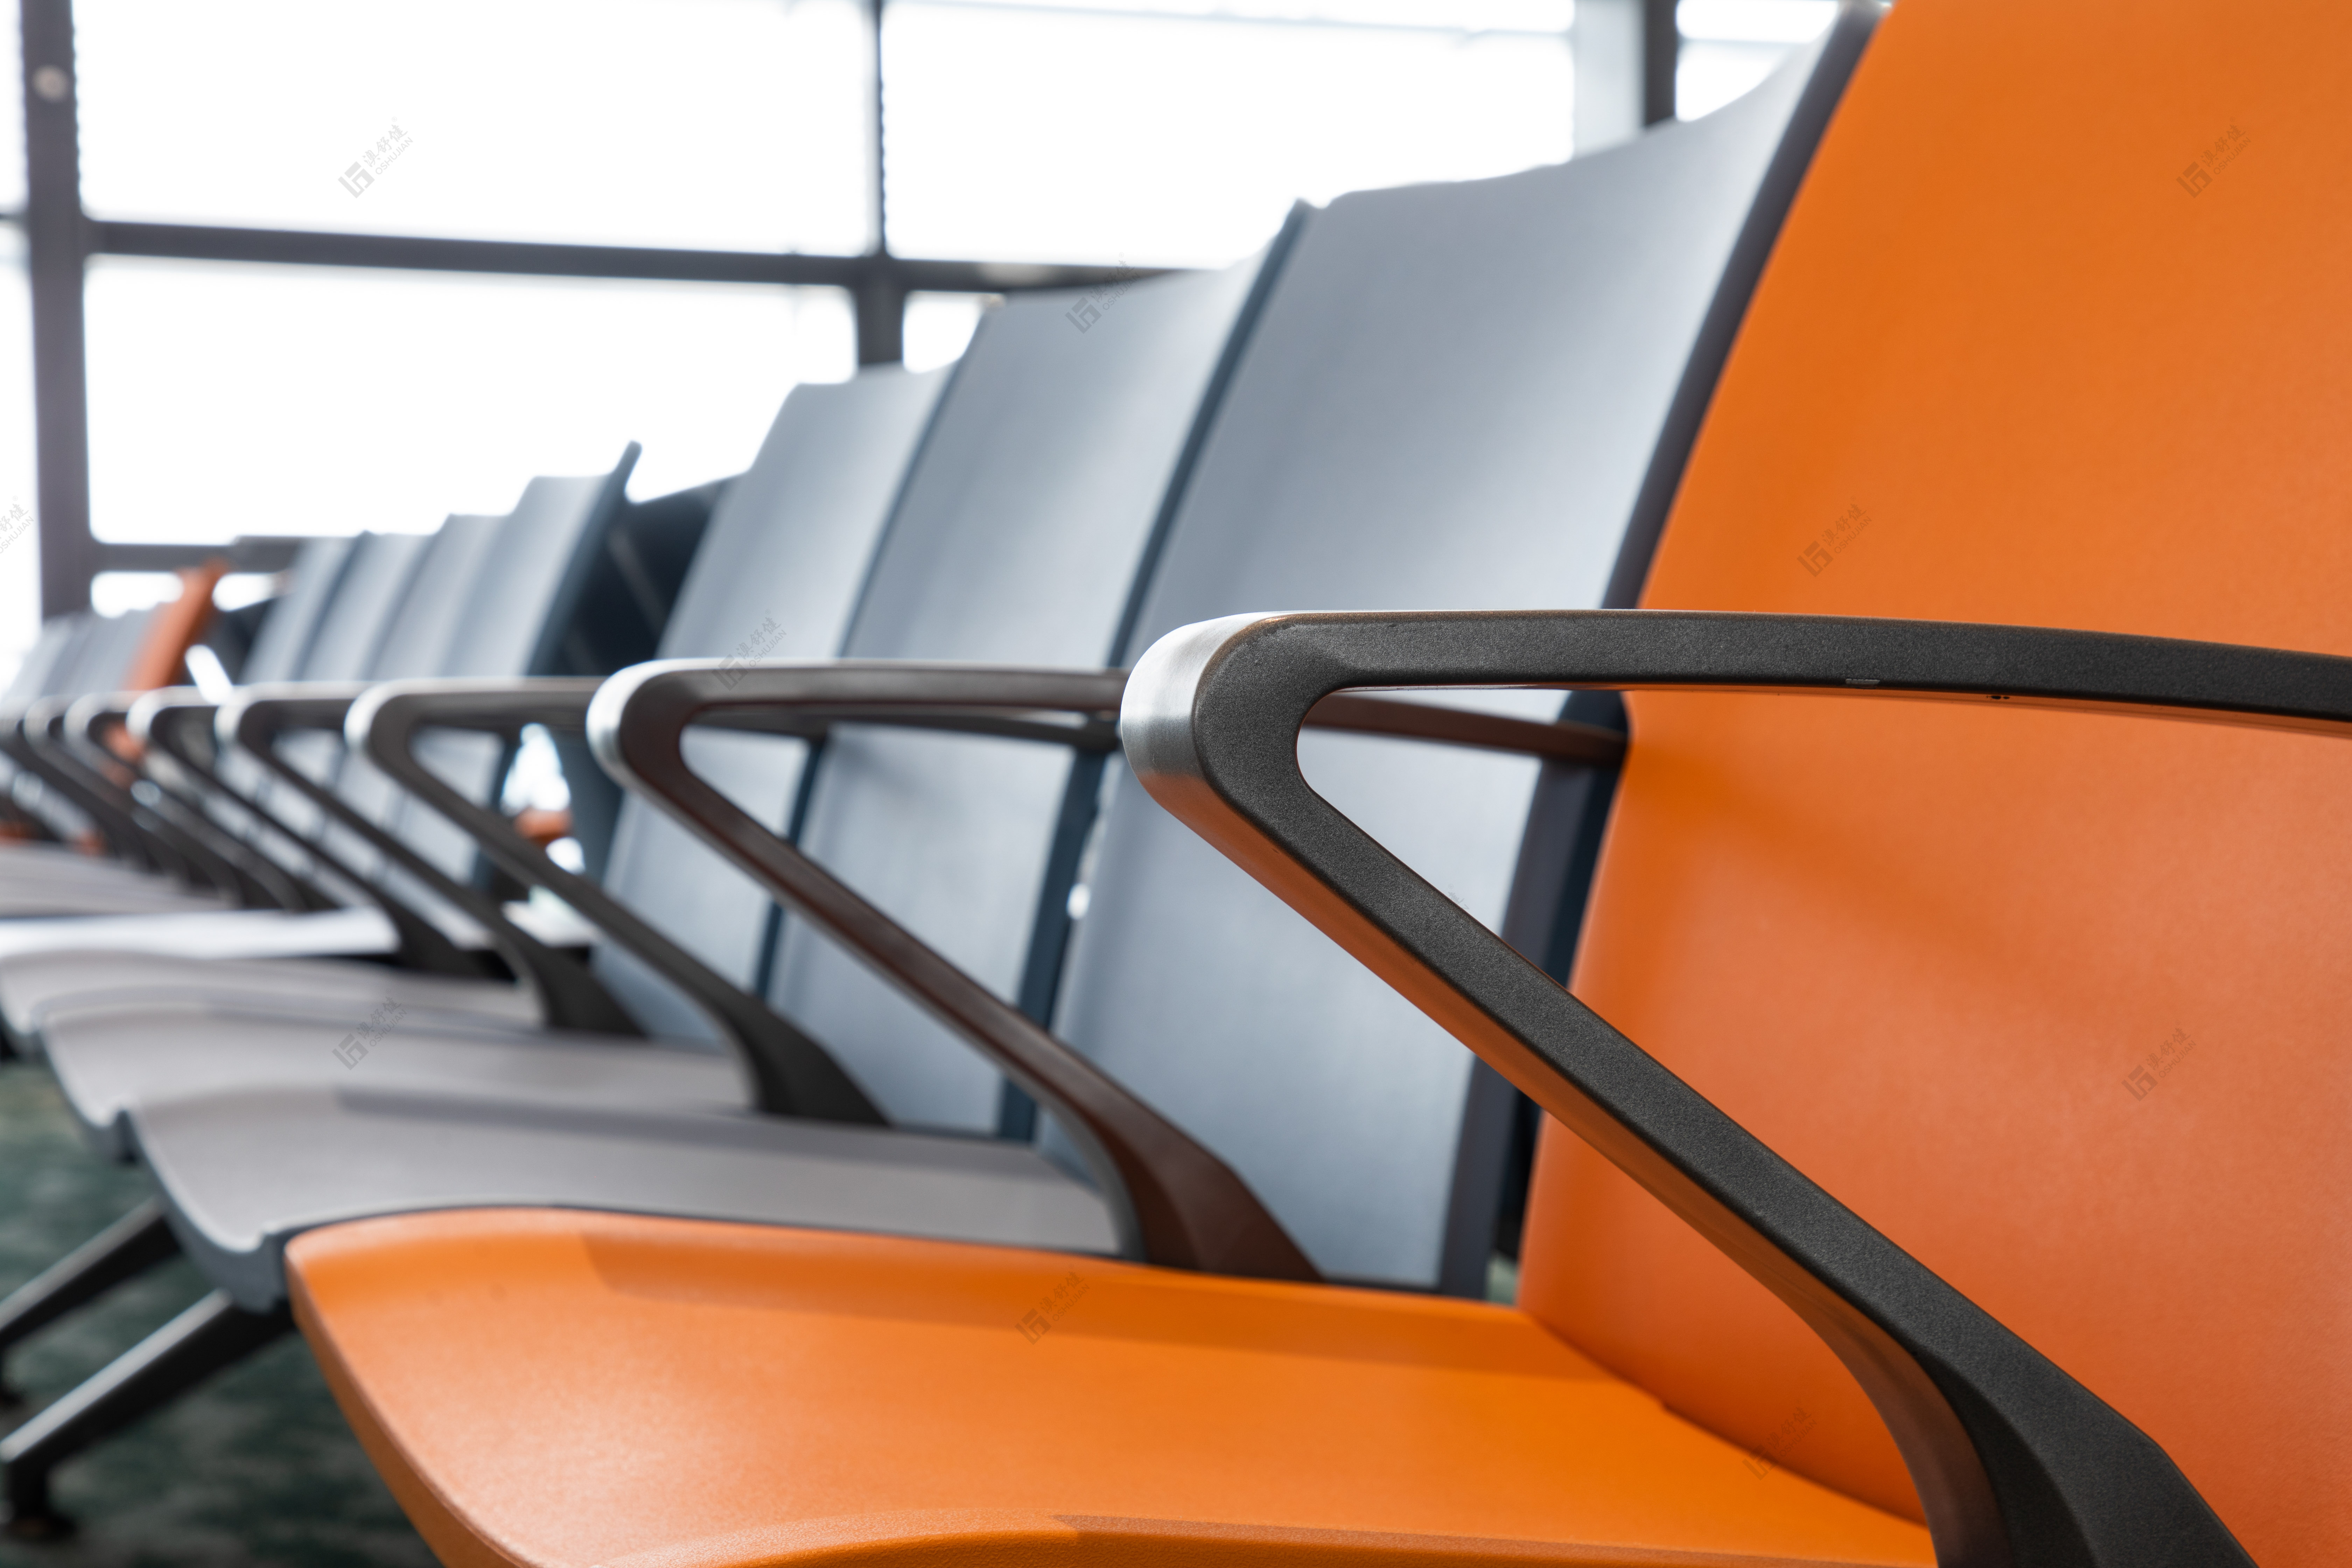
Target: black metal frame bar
pixel 208 1337
pixel 123 1250
pixel 2016 1463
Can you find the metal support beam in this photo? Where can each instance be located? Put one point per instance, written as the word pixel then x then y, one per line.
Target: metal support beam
pixel 123 1250
pixel 881 303
pixel 214 1334
pixel 256 552
pixel 880 299
pixel 309 247
pixel 1662 48
pixel 56 247
pixel 1625 54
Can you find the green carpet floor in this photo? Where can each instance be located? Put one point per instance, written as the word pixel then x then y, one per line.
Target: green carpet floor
pixel 255 1466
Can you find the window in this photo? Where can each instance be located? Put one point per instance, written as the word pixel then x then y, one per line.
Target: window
pixel 716 124
pixel 1730 45
pixel 229 399
pixel 1159 134
pixel 238 387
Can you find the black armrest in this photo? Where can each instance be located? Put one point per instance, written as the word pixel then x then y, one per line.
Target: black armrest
pixel 85 730
pixel 1186 1207
pixel 1176 1203
pixel 794 1073
pixel 257 716
pixel 174 724
pixel 2015 1462
pixel 33 740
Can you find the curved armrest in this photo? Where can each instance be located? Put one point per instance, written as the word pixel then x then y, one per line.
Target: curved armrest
pixel 178 721
pixel 91 729
pixel 2015 1462
pixel 794 1073
pixel 257 716
pixel 175 725
pixel 1177 1203
pixel 36 742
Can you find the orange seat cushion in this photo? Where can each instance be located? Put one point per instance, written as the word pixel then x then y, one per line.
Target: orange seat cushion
pixel 554 1387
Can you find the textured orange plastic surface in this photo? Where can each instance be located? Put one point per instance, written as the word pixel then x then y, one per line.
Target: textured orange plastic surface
pixel 565 1388
pixel 2059 333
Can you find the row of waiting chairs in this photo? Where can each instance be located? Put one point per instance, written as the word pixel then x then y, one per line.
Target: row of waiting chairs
pixel 942 1135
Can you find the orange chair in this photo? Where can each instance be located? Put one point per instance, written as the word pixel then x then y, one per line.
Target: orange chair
pixel 2045 997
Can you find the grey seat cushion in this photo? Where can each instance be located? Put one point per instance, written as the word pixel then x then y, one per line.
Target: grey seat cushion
pixel 228 933
pixel 245 1172
pixel 106 1061
pixel 100 978
pixel 106 896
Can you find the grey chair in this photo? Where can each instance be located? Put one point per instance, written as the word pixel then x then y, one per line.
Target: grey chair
pixel 73 794
pixel 415 604
pixel 189 819
pixel 277 654
pixel 42 818
pixel 366 582
pixel 799 529
pixel 1047 465
pixel 1028 466
pixel 479 590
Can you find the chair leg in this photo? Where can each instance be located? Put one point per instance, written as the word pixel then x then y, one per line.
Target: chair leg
pixel 210 1336
pixel 130 1247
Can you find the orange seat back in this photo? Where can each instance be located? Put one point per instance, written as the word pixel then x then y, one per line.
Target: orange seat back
pixel 176 627
pixel 2056 334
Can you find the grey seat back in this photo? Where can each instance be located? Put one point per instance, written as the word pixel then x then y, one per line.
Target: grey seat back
pixel 338 585
pixel 1451 402
pixel 1018 539
pixel 776 576
pixel 48 671
pixel 283 642
pixel 370 610
pixel 102 657
pixel 510 616
pixel 50 657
